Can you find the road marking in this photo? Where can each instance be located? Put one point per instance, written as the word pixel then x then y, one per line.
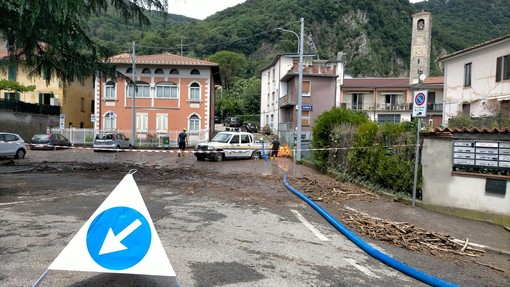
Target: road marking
pixel 308 225
pixel 11 203
pixel 363 269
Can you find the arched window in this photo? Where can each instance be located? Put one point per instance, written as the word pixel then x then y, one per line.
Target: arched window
pixel 146 71
pixel 421 24
pixel 194 123
pixel 194 92
pixel 195 72
pixel 129 71
pixel 110 121
pixel 174 72
pixel 167 90
pixel 159 71
pixel 109 92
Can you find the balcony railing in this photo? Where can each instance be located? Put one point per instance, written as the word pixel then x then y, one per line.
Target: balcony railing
pixel 286 100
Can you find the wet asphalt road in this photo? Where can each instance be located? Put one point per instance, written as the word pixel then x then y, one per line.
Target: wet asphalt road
pixel 257 234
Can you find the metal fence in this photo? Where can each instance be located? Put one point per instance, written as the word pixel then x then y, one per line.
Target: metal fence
pixel 22 107
pixel 85 137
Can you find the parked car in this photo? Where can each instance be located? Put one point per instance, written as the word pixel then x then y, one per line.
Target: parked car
pixel 229 145
pixel 116 141
pixel 232 122
pixel 51 141
pixel 217 119
pixel 12 145
pixel 249 127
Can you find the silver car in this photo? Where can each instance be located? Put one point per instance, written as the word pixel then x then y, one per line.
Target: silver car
pixel 116 141
pixel 12 145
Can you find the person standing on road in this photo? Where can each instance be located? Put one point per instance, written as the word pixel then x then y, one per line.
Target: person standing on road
pixel 182 141
pixel 275 145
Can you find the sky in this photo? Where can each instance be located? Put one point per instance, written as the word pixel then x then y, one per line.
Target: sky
pixel 201 9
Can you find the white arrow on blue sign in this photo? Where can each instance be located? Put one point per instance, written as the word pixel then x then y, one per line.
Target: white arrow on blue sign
pixel 118 238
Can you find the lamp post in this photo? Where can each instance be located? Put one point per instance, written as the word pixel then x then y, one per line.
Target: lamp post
pixel 297 36
pixel 133 118
pixel 300 92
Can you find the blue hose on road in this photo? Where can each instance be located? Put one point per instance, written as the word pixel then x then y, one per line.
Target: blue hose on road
pixel 417 274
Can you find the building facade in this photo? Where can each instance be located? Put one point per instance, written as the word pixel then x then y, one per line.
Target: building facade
pixel 477 79
pixel 172 93
pixel 279 92
pixel 72 102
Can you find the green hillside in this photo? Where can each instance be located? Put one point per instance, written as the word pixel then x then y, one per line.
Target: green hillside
pixel 375 35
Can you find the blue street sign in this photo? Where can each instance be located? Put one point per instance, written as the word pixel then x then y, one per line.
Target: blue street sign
pixel 119 238
pixel 420 99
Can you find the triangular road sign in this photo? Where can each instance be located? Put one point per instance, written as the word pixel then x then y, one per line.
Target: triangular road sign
pixel 118 238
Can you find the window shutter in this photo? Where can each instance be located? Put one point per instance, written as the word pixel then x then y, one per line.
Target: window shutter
pixel 498 69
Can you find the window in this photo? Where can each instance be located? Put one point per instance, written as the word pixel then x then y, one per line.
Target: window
pixel 194 92
pixel 466 109
pixel 159 71
pixel 146 71
pixel 305 118
pixel 431 104
pixel 245 139
pixel 467 75
pixel 194 123
pixel 110 121
pixel 167 90
pixel 421 24
pixel 195 72
pixel 388 119
pixel 161 123
pixel 391 102
pixel 82 105
pixel 110 90
pixel 142 122
pixel 357 101
pixel 306 88
pixel 174 72
pixel 503 68
pixel 142 90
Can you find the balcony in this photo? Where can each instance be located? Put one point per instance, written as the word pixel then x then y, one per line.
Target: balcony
pixel 436 107
pixel 286 101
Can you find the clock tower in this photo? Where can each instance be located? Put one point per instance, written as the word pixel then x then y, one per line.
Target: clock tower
pixel 420 46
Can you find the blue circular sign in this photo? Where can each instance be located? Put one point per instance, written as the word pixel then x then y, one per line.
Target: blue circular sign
pixel 118 238
pixel 419 99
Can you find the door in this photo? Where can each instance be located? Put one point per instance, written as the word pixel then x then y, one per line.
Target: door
pixel 233 148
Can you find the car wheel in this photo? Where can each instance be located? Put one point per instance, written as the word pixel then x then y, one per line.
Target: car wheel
pixel 255 155
pixel 20 154
pixel 130 147
pixel 219 156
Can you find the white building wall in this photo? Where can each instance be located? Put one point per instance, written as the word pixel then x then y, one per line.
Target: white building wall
pixel 272 89
pixel 484 90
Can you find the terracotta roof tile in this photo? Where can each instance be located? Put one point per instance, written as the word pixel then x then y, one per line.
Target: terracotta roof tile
pixel 160 59
pixel 472 130
pixel 376 83
pixel 434 80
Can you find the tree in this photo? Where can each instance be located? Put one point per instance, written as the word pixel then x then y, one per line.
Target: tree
pixel 50 37
pixel 231 64
pixel 15 86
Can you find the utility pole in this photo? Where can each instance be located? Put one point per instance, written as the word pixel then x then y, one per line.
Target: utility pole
pixel 300 92
pixel 133 115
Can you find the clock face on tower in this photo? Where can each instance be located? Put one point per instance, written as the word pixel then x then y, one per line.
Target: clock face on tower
pixel 419 50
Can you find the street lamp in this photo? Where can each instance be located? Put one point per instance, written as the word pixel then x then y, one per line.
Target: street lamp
pixel 300 92
pixel 133 118
pixel 284 30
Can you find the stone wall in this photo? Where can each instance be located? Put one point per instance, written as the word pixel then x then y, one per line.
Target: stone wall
pixel 26 125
